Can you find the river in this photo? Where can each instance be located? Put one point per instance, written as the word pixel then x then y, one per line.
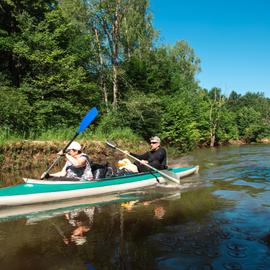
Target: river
pixel 218 220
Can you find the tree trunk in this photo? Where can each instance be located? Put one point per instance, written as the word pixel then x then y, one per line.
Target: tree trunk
pixel 115 39
pixel 104 90
pixel 127 47
pixel 115 85
pixel 212 140
pixel 101 75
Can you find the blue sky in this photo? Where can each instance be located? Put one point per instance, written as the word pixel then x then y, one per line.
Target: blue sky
pixel 231 38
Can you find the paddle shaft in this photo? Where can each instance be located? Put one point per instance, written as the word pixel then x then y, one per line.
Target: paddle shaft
pixel 169 177
pixel 86 121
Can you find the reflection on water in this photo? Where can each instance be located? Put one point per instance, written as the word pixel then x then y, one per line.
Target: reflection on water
pixel 81 221
pixel 219 221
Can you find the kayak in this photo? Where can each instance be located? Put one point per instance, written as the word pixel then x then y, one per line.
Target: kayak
pixel 41 191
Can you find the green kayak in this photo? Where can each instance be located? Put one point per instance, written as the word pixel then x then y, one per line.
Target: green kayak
pixel 41 191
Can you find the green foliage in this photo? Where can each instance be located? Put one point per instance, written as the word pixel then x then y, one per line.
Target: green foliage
pixel 252 114
pixel 164 70
pixel 110 122
pixel 248 120
pixel 49 56
pixel 55 112
pixel 178 124
pixel 113 126
pixel 184 67
pixel 56 133
pixel 143 112
pixel 117 134
pixel 227 128
pixel 60 58
pixel 15 111
pixel 6 135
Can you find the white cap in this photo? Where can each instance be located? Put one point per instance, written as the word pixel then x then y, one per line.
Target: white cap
pixel 75 146
pixel 155 139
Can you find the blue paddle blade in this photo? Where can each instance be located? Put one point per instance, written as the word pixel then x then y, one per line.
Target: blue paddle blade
pixel 88 119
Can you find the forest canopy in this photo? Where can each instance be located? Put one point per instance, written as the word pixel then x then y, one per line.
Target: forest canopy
pixel 60 58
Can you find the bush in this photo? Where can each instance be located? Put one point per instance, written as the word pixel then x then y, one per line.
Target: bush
pixel 15 111
pixel 142 113
pixel 178 125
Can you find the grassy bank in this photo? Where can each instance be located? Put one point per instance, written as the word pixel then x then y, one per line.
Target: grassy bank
pixel 63 134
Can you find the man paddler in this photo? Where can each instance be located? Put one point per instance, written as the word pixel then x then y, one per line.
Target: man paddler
pixel 156 157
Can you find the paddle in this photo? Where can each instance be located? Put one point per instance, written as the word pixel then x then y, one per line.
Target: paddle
pixel 86 121
pixel 167 175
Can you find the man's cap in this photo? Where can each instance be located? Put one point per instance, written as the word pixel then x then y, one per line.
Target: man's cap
pixel 155 139
pixel 75 146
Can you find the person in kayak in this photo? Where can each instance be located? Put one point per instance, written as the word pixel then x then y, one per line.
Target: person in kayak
pixel 156 157
pixel 77 164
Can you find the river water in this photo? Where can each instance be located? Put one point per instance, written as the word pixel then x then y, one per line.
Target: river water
pixel 218 220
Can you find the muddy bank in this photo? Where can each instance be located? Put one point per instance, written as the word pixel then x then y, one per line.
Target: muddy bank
pixel 264 140
pixel 32 158
pixel 239 142
pixel 25 155
pixel 242 141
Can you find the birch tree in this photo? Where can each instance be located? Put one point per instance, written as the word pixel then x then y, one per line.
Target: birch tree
pixel 120 27
pixel 216 105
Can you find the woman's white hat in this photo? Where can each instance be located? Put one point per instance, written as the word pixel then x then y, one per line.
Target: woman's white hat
pixel 75 146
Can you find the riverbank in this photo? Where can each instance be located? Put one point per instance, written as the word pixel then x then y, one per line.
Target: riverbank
pixel 241 142
pixel 27 158
pixel 26 154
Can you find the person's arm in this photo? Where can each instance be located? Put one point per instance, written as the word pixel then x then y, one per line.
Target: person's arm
pixel 62 173
pixel 144 156
pixel 76 161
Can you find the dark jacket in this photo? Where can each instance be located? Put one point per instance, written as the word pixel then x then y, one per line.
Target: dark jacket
pixel 157 158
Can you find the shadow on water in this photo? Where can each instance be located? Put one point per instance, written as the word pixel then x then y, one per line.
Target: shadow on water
pixel 220 220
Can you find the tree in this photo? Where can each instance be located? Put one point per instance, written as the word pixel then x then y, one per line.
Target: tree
pixel 185 65
pixel 143 113
pixel 117 36
pixel 178 125
pixel 15 111
pixel 248 121
pixel 11 12
pixel 57 72
pixel 49 57
pixel 216 104
pixel 164 70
